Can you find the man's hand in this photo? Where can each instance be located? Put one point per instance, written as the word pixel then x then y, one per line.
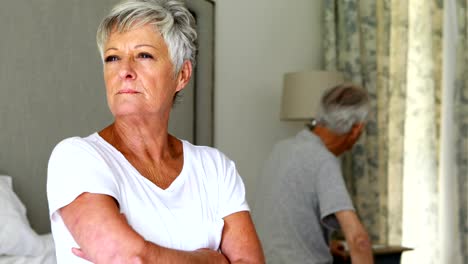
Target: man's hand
pixel 338 249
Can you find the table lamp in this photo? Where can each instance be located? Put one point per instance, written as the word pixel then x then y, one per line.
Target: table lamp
pixel 302 92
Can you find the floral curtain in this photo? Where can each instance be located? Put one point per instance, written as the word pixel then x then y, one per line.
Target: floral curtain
pixel 394 49
pixel 461 121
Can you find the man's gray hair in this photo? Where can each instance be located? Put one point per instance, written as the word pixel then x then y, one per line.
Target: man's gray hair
pixel 170 17
pixel 343 106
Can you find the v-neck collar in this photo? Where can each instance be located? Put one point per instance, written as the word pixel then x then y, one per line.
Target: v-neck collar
pixel 174 184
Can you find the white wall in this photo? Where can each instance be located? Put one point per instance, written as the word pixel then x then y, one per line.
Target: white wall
pixel 257 41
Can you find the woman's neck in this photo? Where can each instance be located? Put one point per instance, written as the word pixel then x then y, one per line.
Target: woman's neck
pixel 141 138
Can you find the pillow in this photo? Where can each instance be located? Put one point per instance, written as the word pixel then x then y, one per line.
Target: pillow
pixel 17 238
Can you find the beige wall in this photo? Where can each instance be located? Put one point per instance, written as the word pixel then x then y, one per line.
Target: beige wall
pixel 256 42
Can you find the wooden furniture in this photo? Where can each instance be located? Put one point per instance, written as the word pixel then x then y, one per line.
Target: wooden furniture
pixel 383 254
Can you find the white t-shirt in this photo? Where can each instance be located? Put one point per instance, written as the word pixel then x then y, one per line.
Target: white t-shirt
pixel 188 215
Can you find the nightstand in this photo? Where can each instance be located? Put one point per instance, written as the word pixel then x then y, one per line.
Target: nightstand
pixel 383 254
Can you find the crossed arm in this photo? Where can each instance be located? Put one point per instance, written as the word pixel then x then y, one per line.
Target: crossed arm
pixel 105 236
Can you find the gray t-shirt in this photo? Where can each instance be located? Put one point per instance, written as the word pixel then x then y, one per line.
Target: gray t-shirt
pixel 299 191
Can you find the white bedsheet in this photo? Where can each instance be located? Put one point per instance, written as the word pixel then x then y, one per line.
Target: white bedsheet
pixel 48 256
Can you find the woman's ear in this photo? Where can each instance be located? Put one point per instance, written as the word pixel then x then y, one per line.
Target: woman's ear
pixel 184 75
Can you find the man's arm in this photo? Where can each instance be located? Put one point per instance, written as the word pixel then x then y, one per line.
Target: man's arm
pixel 105 236
pixel 356 237
pixel 240 243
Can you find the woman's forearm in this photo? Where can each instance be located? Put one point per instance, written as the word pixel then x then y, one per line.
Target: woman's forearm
pixel 153 253
pixel 156 254
pixel 105 236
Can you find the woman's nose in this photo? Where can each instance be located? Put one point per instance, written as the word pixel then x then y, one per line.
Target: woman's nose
pixel 127 70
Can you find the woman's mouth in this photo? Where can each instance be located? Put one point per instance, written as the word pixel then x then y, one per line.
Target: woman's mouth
pixel 127 91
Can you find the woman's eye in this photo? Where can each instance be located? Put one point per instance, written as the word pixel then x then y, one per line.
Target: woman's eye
pixel 145 56
pixel 111 58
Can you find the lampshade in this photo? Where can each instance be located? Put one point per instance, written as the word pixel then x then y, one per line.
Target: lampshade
pixel 302 92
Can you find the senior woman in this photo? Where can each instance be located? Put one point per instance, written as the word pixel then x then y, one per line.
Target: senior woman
pixel 133 193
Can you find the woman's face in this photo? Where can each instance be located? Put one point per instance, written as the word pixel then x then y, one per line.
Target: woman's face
pixel 139 74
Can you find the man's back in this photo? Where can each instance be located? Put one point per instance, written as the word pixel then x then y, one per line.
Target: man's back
pixel 299 191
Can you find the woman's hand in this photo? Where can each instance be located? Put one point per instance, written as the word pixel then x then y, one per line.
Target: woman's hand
pixel 104 236
pixel 101 231
pixel 79 253
pixel 213 256
pixel 204 254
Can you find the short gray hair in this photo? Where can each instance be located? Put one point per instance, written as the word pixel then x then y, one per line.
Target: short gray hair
pixel 343 106
pixel 170 17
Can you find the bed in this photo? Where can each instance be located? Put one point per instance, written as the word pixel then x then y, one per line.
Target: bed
pixel 19 243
